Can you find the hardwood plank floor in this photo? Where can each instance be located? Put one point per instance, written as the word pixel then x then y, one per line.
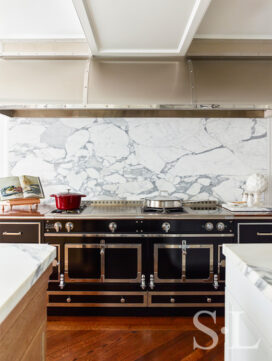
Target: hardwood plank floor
pixel 131 339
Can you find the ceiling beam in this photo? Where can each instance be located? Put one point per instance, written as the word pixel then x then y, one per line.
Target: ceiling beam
pixel 81 10
pixel 192 25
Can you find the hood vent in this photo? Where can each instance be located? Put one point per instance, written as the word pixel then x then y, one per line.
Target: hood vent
pixel 90 87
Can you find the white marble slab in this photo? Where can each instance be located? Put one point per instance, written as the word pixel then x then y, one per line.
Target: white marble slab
pixel 130 158
pixel 255 263
pixel 20 267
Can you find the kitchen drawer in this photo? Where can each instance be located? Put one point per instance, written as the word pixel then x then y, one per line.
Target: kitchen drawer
pixel 96 299
pixel 20 232
pixel 258 232
pixel 186 299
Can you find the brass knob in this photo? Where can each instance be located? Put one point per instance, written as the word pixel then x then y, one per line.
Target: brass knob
pixel 172 300
pixel 68 299
pixel 122 300
pixel 209 300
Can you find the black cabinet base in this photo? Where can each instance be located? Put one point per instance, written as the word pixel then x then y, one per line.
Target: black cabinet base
pixel 144 312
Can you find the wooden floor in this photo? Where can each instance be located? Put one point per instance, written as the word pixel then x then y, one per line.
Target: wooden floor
pixel 130 339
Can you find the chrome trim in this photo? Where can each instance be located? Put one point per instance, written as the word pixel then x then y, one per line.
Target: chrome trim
pixel 96 293
pixel 133 235
pixel 185 304
pixel 143 284
pixel 264 234
pixel 183 278
pixel 215 282
pixel 58 261
pixel 34 223
pixel 104 247
pixel 151 282
pixel 62 283
pixel 250 224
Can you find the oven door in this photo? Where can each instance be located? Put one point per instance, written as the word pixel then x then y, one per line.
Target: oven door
pixel 183 261
pixel 83 262
pixel 105 261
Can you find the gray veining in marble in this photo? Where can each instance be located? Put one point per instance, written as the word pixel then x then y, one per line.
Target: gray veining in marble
pixel 132 158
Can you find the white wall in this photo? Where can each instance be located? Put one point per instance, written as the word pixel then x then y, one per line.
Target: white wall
pixel 3 146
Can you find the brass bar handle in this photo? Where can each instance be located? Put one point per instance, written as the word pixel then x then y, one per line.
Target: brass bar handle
pixel 264 234
pixel 12 234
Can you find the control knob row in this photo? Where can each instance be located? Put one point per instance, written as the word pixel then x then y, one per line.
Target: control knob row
pixel 68 226
pixel 220 226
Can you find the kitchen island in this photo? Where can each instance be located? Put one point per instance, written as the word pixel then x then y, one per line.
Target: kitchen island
pixel 24 273
pixel 248 302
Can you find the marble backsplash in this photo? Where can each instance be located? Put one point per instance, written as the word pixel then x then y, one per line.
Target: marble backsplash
pixel 134 157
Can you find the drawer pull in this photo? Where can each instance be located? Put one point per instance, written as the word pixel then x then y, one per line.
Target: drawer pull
pixel 209 300
pixel 122 300
pixel 12 233
pixel 264 234
pixel 68 299
pixel 172 300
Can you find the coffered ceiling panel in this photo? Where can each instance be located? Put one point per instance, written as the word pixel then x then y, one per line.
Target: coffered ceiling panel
pixel 237 19
pixel 140 27
pixel 39 19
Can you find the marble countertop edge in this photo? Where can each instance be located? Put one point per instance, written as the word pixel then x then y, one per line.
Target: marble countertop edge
pixel 260 276
pixel 21 267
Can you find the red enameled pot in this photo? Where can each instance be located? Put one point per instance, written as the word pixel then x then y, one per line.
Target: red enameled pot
pixel 67 201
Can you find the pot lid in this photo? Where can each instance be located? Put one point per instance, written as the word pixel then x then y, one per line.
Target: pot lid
pixel 68 193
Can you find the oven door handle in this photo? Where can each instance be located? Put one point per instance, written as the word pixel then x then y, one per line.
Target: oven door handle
pixel 261 234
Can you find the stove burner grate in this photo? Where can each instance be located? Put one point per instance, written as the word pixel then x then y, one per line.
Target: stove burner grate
pixel 71 211
pixel 163 210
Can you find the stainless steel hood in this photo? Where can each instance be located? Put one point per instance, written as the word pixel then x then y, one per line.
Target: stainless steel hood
pixel 142 87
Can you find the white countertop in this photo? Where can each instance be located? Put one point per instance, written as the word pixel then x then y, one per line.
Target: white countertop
pixel 20 267
pixel 255 262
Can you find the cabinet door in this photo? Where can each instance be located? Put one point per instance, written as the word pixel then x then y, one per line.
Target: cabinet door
pixel 168 263
pixel 260 232
pixel 123 262
pixel 198 262
pixel 83 263
pixel 20 232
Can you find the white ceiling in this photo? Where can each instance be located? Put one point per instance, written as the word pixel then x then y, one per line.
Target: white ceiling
pixel 237 19
pixel 136 27
pixel 39 19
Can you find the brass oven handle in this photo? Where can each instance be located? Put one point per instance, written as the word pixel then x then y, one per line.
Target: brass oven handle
pixel 263 234
pixel 12 234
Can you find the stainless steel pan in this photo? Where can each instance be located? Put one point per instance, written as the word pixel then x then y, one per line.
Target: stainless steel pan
pixel 163 201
